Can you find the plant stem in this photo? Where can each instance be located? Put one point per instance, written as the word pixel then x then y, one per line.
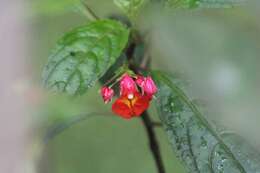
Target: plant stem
pixel 153 143
pixel 156 124
pixel 148 123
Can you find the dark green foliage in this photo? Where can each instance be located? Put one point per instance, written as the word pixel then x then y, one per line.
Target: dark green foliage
pixel 83 55
pixel 198 145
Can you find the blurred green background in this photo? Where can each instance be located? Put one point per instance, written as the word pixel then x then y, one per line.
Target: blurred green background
pixel 197 42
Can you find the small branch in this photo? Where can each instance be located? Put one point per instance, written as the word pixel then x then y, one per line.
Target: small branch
pixel 146 61
pixel 61 126
pixel 153 143
pixel 156 124
pixel 88 12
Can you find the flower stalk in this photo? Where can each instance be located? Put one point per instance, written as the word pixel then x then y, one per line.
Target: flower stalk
pixel 148 124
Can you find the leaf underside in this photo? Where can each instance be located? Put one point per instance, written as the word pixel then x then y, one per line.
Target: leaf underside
pixel 196 143
pixel 83 55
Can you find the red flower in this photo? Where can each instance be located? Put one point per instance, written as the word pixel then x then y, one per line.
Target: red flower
pixel 107 94
pixel 127 85
pixel 131 102
pixel 131 106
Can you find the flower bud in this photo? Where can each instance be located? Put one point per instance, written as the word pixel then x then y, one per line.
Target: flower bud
pixel 107 94
pixel 149 87
pixel 140 81
pixel 127 85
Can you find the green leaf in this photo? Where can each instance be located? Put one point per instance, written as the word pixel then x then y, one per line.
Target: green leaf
pixel 219 3
pixel 130 7
pixel 83 55
pixel 114 70
pixel 182 3
pixel 203 3
pixel 201 148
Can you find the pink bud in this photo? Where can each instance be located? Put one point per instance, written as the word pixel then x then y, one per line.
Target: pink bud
pixel 107 94
pixel 127 85
pixel 149 87
pixel 140 81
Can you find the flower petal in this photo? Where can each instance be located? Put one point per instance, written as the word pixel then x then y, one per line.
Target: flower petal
pixel 127 85
pixel 122 108
pixel 140 105
pixel 128 108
